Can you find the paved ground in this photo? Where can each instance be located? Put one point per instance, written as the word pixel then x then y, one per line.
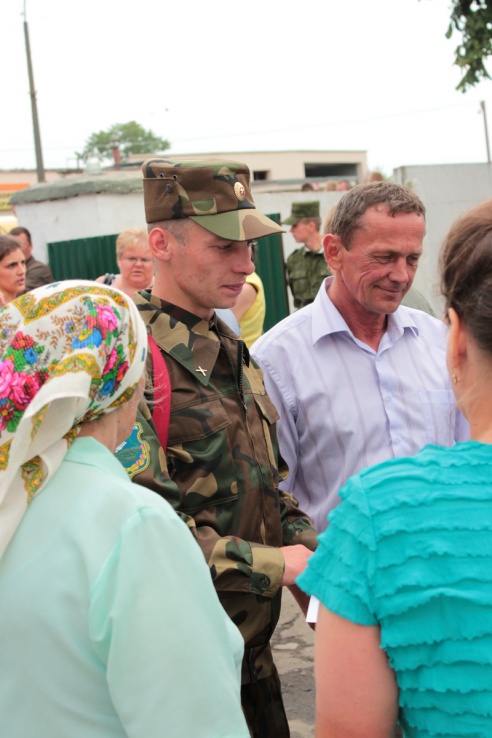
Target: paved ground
pixel 293 654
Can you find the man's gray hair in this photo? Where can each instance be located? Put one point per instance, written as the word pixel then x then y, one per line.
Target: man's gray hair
pixel 349 213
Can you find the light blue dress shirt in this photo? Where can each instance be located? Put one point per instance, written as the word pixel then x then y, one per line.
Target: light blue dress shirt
pixel 344 406
pixel 109 624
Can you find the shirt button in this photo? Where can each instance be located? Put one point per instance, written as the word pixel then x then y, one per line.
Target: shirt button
pixel 264 583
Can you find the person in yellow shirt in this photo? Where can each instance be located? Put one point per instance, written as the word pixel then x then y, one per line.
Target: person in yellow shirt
pixel 250 309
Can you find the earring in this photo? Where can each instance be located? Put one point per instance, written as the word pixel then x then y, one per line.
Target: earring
pixel 455 378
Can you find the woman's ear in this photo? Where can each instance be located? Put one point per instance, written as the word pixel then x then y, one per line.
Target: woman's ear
pixel 457 344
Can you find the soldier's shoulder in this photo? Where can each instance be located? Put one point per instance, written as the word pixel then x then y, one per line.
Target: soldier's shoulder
pixel 295 255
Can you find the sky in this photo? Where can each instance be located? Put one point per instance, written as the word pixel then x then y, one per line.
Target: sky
pixel 229 76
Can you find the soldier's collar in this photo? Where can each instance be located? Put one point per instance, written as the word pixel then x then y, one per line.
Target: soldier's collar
pixel 176 314
pixel 185 336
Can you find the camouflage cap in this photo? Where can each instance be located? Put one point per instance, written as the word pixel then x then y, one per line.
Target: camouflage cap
pixel 300 210
pixel 214 194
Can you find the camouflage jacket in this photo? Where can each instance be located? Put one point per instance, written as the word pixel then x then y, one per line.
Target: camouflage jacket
pixel 305 272
pixel 220 471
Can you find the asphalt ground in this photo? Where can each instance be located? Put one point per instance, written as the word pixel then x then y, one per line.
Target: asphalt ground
pixel 293 647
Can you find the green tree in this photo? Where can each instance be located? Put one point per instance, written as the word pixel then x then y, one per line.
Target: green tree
pixel 473 19
pixel 132 138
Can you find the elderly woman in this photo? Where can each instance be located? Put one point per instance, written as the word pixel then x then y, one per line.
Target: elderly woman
pixel 135 263
pixel 404 571
pixel 12 269
pixel 109 625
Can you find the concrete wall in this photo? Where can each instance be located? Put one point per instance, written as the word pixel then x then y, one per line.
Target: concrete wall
pixel 83 216
pixel 447 190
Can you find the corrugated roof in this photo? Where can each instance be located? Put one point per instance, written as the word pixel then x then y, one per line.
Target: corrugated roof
pixel 120 183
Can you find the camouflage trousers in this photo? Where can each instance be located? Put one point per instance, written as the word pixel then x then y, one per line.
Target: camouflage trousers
pixel 263 708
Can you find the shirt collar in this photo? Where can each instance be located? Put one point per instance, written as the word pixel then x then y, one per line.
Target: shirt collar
pixel 177 314
pixel 326 319
pixel 310 251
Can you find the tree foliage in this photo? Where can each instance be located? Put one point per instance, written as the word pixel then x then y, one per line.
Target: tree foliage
pixel 473 19
pixel 132 138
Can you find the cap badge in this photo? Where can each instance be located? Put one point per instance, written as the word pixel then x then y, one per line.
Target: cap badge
pixel 239 191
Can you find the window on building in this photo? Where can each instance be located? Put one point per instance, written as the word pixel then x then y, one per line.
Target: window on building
pixel 342 171
pixel 260 174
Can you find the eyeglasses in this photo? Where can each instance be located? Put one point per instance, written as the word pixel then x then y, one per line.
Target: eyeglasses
pixel 136 259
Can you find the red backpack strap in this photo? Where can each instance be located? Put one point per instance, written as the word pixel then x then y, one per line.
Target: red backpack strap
pixel 162 394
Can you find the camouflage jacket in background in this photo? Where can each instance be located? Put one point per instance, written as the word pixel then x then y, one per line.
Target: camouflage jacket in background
pixel 221 469
pixel 305 272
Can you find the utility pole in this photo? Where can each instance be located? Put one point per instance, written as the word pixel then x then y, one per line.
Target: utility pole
pixel 34 107
pixel 482 105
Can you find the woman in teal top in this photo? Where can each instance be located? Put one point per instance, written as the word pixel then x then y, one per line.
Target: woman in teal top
pixel 404 570
pixel 109 624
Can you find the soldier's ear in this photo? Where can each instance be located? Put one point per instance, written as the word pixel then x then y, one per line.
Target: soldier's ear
pixel 332 247
pixel 160 242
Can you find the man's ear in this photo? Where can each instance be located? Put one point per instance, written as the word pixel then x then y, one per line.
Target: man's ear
pixel 332 247
pixel 160 243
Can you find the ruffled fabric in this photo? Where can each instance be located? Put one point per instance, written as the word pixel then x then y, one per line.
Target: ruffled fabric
pixel 410 549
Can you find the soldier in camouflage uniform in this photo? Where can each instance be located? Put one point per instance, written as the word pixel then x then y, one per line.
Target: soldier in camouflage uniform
pixel 221 468
pixel 306 266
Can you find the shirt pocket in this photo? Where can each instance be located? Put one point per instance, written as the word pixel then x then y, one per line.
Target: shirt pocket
pixel 269 416
pixel 298 278
pixel 200 457
pixel 439 412
pixel 267 409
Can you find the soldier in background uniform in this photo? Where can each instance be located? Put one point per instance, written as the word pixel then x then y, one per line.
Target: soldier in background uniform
pixel 306 266
pixel 221 469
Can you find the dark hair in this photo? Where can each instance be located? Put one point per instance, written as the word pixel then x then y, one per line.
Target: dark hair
pixel 350 210
pixel 7 245
pixel 466 272
pixel 18 231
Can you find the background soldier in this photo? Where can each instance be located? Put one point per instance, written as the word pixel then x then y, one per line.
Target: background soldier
pixel 221 468
pixel 306 266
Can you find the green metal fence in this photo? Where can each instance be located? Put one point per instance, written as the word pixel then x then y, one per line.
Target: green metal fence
pixel 83 258
pixel 270 266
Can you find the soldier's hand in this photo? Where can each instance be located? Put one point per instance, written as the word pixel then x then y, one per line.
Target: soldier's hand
pixel 295 558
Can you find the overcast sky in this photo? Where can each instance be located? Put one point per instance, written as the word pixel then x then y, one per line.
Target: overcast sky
pixel 232 75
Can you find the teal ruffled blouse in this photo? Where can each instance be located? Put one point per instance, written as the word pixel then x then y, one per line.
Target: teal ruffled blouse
pixel 410 549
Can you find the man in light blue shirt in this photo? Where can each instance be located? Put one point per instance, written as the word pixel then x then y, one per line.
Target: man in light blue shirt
pixel 357 378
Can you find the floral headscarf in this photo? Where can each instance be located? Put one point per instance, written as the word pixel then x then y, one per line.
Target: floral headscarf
pixel 69 352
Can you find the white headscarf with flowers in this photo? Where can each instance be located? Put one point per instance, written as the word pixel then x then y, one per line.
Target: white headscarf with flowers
pixel 69 352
